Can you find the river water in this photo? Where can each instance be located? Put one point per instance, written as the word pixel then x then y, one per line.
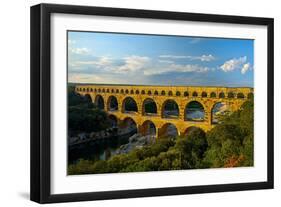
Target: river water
pixel 101 149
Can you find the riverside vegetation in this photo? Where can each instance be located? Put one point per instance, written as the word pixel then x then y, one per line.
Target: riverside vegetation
pixel 228 144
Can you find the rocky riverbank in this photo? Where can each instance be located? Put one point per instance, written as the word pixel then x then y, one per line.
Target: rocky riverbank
pixel 136 141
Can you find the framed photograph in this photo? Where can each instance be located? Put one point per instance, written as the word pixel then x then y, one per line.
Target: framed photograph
pixel 132 103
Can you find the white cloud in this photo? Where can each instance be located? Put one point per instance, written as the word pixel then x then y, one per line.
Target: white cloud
pixel 176 68
pixel 79 51
pixel 71 42
pixel 166 61
pixel 236 64
pixel 195 40
pixel 206 58
pixel 100 62
pixel 84 78
pixel 202 58
pixel 131 64
pixel 245 68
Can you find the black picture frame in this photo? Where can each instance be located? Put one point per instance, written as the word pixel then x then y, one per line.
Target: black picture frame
pixel 41 95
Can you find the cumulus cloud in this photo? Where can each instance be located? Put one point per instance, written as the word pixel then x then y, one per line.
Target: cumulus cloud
pixel 245 68
pixel 79 51
pixel 71 42
pixel 176 68
pixel 236 64
pixel 202 58
pixel 131 64
pixel 98 63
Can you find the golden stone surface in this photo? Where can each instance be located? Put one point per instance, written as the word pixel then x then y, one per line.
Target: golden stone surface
pixel 182 95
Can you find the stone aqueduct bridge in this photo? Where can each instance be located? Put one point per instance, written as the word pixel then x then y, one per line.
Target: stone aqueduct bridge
pixel 182 95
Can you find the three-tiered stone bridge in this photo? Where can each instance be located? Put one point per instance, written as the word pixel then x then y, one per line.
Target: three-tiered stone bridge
pixel 115 98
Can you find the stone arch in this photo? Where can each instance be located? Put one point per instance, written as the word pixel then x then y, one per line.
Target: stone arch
pixel 143 92
pixel 149 107
pixel 117 90
pixel 194 111
pixel 113 120
pixel 178 93
pixel 240 95
pixel 218 110
pixel 112 103
pixel 132 91
pixel 250 95
pixel 99 101
pixel 88 98
pixel 99 90
pixel 170 109
pixel 84 90
pixel 122 91
pixel 103 90
pixel 148 128
pixel 213 95
pixel 230 95
pixel 168 130
pixel 221 95
pixel 112 90
pixel 191 129
pixel 129 105
pixel 204 94
pixel 137 92
pixel 127 91
pixel 107 90
pixel 128 125
pixel 194 94
pixel 149 92
pixel 185 94
pixel 156 93
pixel 91 89
pixel 163 93
pixel 95 90
pixel 170 93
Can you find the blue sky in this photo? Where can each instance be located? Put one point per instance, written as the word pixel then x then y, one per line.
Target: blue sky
pixel 116 58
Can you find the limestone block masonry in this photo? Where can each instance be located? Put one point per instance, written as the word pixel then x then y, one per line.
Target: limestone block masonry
pixel 182 95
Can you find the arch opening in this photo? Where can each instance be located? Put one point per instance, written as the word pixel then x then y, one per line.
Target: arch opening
pixel 129 105
pixel 170 109
pixel 194 111
pixel 204 94
pixel 240 95
pixel 148 128
pixel 113 120
pixel 230 95
pixel 221 95
pixel 128 125
pixel 250 95
pixel 88 98
pixel 99 102
pixel 149 107
pixel 218 111
pixel 194 94
pixel 213 95
pixel 112 103
pixel 168 130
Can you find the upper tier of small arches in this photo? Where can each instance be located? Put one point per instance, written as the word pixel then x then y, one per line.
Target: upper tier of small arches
pixel 177 93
